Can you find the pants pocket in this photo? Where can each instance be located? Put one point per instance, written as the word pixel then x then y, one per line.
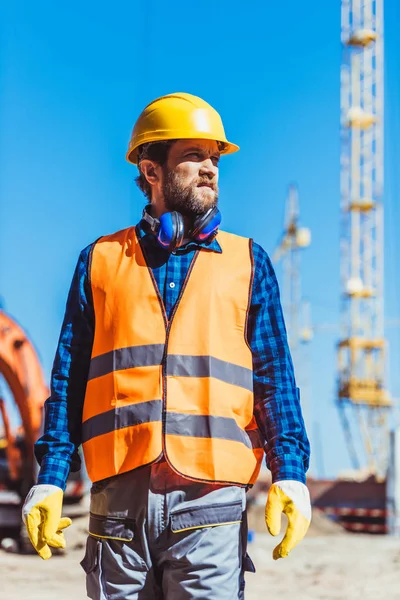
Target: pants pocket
pixel 204 555
pixel 121 545
pixel 210 515
pixel 111 528
pixel 91 564
pixel 90 560
pixel 114 561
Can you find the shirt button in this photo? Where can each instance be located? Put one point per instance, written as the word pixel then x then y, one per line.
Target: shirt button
pixel 172 285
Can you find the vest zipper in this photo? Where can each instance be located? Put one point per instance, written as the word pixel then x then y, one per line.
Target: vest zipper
pixel 168 324
pixel 164 359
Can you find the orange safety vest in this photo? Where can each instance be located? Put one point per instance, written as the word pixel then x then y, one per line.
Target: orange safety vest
pixel 181 387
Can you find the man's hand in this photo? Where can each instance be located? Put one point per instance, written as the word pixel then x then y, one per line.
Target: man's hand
pixel 41 514
pixel 293 499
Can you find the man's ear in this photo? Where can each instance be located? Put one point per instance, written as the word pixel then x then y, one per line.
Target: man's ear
pixel 151 171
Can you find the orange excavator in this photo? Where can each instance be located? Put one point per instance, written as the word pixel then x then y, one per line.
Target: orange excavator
pixel 21 370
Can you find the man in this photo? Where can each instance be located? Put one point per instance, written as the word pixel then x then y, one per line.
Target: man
pixel 173 371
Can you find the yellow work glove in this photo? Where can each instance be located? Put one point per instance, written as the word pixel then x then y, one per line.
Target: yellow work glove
pixel 41 515
pixel 293 499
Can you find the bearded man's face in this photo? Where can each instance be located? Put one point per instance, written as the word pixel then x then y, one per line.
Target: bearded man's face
pixel 190 177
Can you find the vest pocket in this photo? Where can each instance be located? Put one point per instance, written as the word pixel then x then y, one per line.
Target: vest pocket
pixel 211 515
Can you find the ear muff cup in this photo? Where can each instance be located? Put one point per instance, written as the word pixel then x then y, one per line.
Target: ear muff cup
pixel 205 225
pixel 172 230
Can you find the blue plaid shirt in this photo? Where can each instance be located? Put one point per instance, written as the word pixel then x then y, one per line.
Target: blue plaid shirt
pixel 276 398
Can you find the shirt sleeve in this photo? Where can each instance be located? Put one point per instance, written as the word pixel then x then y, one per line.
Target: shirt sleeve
pixel 276 398
pixel 57 450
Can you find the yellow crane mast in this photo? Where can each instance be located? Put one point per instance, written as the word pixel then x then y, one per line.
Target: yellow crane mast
pixel 362 346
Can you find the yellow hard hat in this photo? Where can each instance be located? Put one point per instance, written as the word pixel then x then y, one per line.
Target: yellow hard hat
pixel 178 116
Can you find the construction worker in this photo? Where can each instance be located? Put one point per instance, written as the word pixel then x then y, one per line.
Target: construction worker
pixel 173 372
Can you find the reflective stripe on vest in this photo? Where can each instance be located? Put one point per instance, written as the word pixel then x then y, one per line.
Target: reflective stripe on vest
pixel 184 387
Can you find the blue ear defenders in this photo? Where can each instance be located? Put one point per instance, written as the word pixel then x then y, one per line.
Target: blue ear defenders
pixel 170 231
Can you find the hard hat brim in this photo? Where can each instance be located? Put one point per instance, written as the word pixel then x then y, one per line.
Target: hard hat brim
pixel 132 154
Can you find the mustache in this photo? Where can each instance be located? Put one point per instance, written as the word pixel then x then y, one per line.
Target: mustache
pixel 206 181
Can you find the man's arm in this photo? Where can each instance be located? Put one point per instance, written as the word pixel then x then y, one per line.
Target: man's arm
pixel 57 449
pixel 276 398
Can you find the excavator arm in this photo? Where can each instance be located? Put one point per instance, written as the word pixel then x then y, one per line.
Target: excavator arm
pixel 21 369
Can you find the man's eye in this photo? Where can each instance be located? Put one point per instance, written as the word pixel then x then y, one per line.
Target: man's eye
pixel 194 154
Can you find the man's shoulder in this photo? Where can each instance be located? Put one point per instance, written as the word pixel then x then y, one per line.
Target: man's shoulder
pixel 259 254
pixel 228 234
pixel 232 241
pixel 116 236
pixel 122 237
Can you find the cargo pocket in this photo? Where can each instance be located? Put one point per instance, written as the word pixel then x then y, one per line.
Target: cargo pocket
pixel 111 528
pixel 91 565
pixel 113 558
pixel 209 515
pixel 122 549
pixel 207 539
pixel 90 560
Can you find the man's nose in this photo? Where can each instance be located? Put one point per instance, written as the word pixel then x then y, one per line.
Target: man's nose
pixel 208 168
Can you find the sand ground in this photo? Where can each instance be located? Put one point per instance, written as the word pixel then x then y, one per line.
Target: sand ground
pixel 329 564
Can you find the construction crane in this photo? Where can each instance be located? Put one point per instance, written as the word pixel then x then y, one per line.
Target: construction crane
pixel 296 310
pixel 362 397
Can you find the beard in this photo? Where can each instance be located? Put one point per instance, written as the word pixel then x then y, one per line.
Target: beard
pixel 187 200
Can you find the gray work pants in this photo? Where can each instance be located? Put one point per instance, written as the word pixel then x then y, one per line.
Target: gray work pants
pixel 155 535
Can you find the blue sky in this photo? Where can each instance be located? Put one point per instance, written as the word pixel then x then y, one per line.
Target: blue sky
pixel 75 76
